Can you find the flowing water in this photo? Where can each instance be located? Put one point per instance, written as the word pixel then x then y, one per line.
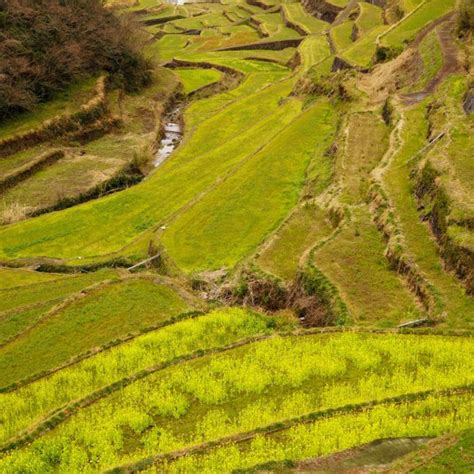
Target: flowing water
pixel 173 134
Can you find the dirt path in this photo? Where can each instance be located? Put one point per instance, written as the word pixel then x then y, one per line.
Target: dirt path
pixel 451 63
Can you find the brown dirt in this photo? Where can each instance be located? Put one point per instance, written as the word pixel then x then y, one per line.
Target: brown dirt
pixel 451 63
pixel 368 458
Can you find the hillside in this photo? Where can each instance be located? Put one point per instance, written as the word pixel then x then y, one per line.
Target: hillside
pixel 236 236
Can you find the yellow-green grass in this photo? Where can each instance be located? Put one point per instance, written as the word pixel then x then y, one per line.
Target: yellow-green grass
pixel 313 50
pixel 141 4
pixel 300 17
pixel 305 228
pixel 457 178
pixel 339 3
pixel 409 5
pixel 250 387
pixel 341 35
pixel 366 142
pixel 362 52
pixel 369 17
pixel 70 177
pixel 65 102
pixel 354 261
pixel 14 322
pixel 11 298
pixel 419 241
pixel 433 416
pixel 208 20
pixel 230 221
pixel 194 79
pixel 213 150
pixel 13 162
pixel 100 316
pixel 203 109
pixel 407 29
pixel 14 277
pixel 167 46
pixel 216 329
pixel 432 58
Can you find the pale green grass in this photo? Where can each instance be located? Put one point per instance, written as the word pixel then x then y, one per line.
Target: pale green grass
pixel 194 79
pixel 354 261
pixel 13 162
pixel 97 318
pixel 71 176
pixel 203 109
pixel 366 143
pixel 409 5
pixel 200 239
pixel 303 230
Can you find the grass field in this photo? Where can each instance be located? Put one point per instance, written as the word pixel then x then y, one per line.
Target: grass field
pixel 86 321
pixel 297 15
pixel 194 79
pixel 318 199
pixel 406 30
pixel 458 306
pixel 195 236
pixel 256 385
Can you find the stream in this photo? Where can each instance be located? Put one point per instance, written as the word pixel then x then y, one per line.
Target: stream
pixel 173 134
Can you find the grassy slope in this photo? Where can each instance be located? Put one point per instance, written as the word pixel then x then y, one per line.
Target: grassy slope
pixel 369 17
pixel 273 177
pixel 216 329
pixel 304 229
pixel 86 322
pixel 296 13
pixel 341 35
pixel 253 386
pixel 354 260
pixel 14 277
pixel 84 230
pixel 408 28
pixel 50 291
pixel 419 241
pixel 193 79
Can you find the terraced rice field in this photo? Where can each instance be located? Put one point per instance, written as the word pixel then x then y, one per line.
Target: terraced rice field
pixel 289 288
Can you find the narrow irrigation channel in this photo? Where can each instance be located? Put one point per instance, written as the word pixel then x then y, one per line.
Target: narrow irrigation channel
pixel 172 135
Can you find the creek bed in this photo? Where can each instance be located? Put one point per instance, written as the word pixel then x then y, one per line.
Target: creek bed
pixel 173 134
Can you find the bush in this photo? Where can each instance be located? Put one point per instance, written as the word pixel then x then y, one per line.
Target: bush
pixel 466 15
pixel 47 44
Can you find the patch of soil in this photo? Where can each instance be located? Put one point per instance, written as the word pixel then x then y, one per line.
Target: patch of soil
pixel 369 458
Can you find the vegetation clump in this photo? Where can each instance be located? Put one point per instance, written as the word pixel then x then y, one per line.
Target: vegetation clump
pixel 47 44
